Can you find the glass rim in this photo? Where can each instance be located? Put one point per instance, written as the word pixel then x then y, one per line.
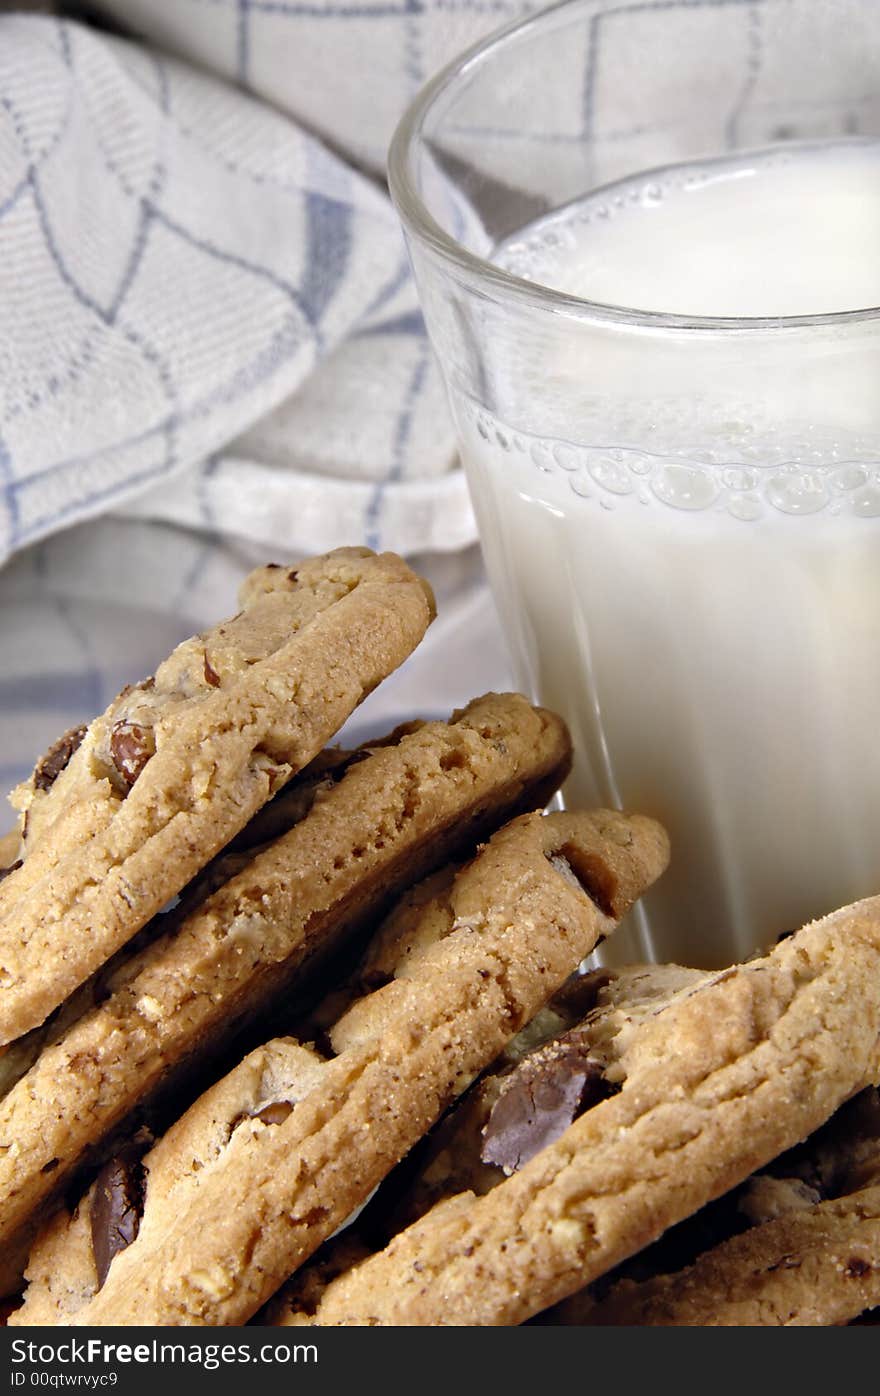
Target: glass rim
pixel 418 220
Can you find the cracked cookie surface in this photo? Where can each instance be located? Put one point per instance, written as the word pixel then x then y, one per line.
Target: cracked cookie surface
pixel 716 1079
pixel 274 1158
pixel 118 817
pixel 362 825
pixel 808 1255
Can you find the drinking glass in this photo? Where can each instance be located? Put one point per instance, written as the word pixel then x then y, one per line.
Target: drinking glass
pixel 680 514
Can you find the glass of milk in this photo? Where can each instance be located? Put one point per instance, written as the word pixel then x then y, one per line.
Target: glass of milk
pixel 647 241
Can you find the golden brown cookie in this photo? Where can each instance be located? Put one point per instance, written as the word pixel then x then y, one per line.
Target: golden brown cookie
pixel 545 1078
pixel 116 818
pixel 716 1078
pixel 268 1163
pixel 809 1254
pixel 359 827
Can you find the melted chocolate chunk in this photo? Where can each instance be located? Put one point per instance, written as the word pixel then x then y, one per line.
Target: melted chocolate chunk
pixel 57 758
pixel 116 1211
pixel 540 1098
pixel 131 747
pixel 211 675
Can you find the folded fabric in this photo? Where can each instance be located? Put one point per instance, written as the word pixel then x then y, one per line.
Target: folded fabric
pixel 208 314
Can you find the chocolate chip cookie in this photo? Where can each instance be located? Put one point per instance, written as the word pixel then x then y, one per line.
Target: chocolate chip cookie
pixel 341 840
pixel 716 1073
pixel 271 1160
pixel 117 817
pixel 806 1252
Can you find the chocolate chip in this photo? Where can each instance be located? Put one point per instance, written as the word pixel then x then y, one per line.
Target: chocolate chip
pixel 856 1268
pixel 275 1113
pixel 211 675
pixel 4 872
pixel 116 1210
pixel 540 1098
pixel 131 747
pixel 57 758
pixel 293 576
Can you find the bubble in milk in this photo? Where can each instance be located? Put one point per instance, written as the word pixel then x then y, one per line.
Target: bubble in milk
pixel 541 457
pixel 866 503
pixel 611 475
pixel 580 484
pixel 684 486
pixel 640 465
pixel 745 507
pixel 797 492
pixel 849 477
pixel 739 477
pixel 566 457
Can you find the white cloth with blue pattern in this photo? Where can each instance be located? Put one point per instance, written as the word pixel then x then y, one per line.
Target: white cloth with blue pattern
pixel 210 345
pixel 207 316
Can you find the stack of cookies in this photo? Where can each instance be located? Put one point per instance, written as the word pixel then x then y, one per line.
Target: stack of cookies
pixel 297 1035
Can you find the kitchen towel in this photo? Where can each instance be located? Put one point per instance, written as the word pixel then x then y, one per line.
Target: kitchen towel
pixel 207 315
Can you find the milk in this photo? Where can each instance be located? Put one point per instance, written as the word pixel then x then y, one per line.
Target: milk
pixel 688 566
pixel 793 230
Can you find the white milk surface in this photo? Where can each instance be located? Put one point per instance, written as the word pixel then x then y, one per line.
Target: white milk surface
pixel 707 619
pixel 790 231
